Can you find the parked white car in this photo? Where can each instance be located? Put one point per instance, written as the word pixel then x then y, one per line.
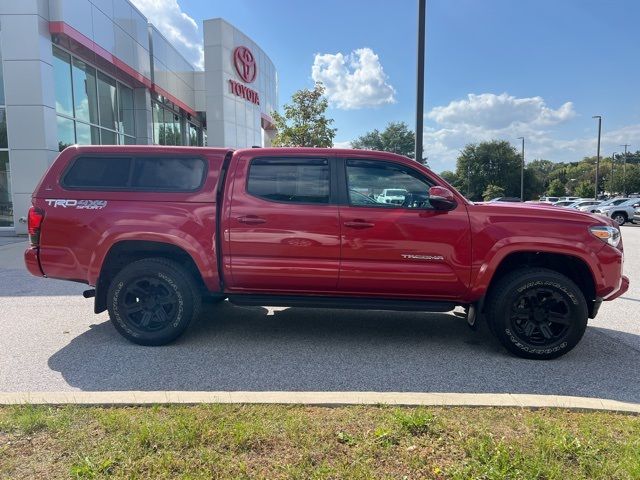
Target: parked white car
pixel 621 213
pixel 562 199
pixel 392 195
pixel 584 203
pixel 563 203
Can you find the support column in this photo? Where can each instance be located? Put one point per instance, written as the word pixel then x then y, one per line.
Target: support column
pixel 27 60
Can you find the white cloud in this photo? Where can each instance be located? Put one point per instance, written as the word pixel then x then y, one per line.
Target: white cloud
pixel 492 111
pixel 179 28
pixel 488 116
pixel 352 81
pixel 346 144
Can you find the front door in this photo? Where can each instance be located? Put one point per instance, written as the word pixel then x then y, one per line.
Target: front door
pixel 283 227
pixel 403 248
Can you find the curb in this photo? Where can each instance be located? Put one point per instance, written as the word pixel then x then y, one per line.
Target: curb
pixel 319 399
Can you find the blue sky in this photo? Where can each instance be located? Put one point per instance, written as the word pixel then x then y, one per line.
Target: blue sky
pixel 494 68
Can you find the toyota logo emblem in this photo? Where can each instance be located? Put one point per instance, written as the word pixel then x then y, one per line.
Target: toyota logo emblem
pixel 245 64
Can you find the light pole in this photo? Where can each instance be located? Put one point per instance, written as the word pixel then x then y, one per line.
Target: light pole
pixel 522 172
pixel 599 117
pixel 624 170
pixel 613 165
pixel 422 10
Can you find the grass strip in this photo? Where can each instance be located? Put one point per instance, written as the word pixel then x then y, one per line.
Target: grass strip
pixel 299 442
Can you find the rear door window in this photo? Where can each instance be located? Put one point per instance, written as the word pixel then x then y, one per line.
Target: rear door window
pixel 290 180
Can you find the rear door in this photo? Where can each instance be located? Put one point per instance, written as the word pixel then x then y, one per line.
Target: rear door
pixel 283 225
pixel 399 250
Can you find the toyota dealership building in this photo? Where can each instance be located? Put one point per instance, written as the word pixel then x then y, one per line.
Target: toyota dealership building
pixel 96 72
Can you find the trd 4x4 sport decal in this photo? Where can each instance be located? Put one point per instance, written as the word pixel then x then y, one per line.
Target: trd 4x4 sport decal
pixel 77 204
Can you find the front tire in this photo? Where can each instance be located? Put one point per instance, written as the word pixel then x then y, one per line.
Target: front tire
pixel 537 313
pixel 619 218
pixel 152 301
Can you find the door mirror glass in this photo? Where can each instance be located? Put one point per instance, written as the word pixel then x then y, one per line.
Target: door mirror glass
pixel 442 198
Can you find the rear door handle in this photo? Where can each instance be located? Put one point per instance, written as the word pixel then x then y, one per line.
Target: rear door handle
pixel 251 220
pixel 358 224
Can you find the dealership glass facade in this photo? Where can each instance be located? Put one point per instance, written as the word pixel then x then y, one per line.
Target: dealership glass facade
pixel 96 72
pixel 92 108
pixel 6 207
pixel 170 127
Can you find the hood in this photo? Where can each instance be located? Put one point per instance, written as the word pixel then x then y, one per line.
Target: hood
pixel 544 210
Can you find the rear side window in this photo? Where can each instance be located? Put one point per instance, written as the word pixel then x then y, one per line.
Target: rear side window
pixel 98 172
pixel 177 174
pixel 163 174
pixel 290 180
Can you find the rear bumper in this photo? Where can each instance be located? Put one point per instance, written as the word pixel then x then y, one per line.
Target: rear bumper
pixel 32 263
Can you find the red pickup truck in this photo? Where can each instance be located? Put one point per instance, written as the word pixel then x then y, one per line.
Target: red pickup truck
pixel 156 229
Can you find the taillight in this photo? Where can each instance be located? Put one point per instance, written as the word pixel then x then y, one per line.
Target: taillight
pixel 34 222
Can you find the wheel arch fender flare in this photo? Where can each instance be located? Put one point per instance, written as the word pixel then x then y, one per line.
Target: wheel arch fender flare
pixel 510 246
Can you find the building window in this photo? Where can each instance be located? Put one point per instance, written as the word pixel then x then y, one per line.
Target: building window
pixel 194 136
pixel 4 143
pixel 107 101
pixel 166 130
pixel 6 205
pixel 125 104
pixel 92 107
pixel 62 79
pixel 84 92
pixel 1 81
pixel 66 133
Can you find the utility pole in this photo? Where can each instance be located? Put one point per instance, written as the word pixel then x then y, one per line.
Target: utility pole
pixel 599 117
pixel 613 165
pixel 624 170
pixel 422 12
pixel 522 172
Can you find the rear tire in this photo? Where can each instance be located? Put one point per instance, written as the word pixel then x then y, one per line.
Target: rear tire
pixel 619 217
pixel 537 313
pixel 152 301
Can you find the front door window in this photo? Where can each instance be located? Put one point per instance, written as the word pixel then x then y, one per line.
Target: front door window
pixel 386 185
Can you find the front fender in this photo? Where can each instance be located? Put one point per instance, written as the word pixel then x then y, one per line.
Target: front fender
pixel 484 270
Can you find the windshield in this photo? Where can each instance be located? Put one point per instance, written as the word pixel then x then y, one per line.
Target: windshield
pixel 631 201
pixel 613 201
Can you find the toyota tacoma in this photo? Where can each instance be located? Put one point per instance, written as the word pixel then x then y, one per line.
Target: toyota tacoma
pixel 154 230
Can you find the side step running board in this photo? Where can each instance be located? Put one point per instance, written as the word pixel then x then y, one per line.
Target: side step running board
pixel 362 303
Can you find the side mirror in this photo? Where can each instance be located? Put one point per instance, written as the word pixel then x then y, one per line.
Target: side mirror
pixel 442 198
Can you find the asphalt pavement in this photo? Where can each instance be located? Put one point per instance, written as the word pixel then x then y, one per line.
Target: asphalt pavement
pixel 50 340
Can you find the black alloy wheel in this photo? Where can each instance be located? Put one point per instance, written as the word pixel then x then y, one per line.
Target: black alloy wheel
pixel 152 301
pixel 540 316
pixel 537 313
pixel 149 303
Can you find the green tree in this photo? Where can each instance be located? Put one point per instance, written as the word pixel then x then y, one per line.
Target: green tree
pixel 584 189
pixel 450 177
pixel 397 137
pixel 304 122
pixel 556 188
pixel 492 191
pixel 489 163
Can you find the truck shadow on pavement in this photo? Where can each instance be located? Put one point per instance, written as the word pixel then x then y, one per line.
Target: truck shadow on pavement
pixel 255 349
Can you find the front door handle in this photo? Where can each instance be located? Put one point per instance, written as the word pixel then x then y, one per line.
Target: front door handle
pixel 251 220
pixel 358 224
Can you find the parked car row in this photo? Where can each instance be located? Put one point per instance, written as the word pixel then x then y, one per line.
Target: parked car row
pixel 621 210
